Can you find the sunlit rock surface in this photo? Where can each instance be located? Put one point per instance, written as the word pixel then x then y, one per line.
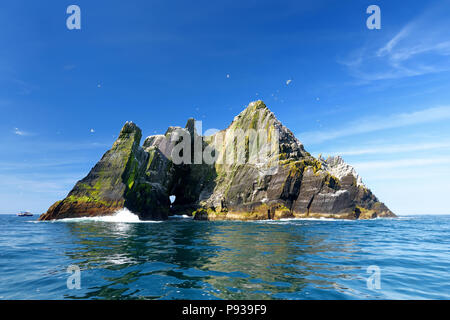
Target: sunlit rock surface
pixel 276 178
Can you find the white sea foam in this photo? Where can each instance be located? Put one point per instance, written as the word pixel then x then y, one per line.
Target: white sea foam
pixel 184 216
pixel 288 220
pixel 315 219
pixel 122 216
pixel 270 221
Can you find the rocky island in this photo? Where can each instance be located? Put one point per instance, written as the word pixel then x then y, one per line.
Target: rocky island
pixel 235 174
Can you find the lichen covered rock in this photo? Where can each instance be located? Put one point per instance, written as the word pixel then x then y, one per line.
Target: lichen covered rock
pixel 260 170
pixel 288 178
pixel 126 176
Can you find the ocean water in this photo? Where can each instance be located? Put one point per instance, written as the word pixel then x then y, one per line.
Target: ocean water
pixel 122 258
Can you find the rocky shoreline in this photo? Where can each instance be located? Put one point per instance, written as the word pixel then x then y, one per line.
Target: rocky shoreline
pixel 277 178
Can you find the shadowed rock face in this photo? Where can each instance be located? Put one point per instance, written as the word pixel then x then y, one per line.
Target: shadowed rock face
pixel 126 176
pixel 285 181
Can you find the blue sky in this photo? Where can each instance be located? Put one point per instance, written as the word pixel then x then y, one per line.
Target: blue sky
pixel 380 98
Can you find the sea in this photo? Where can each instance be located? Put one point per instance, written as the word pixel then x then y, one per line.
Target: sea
pixel 120 257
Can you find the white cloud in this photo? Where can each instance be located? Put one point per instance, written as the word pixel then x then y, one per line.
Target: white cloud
pixel 393 42
pixel 92 130
pixel 19 132
pixel 421 47
pixel 29 147
pixel 378 123
pixel 36 164
pixel 401 163
pixel 25 88
pixel 392 148
pixel 49 184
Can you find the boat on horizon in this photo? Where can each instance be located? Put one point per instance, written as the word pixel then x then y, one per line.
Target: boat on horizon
pixel 25 214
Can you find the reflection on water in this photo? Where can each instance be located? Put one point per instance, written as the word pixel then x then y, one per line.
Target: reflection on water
pixel 209 260
pixel 185 259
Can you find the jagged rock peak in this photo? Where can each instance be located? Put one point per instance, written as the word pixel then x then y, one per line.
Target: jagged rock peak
pixel 254 106
pixel 336 166
pixel 142 179
pixel 129 127
pixel 152 140
pixel 190 127
pixel 130 134
pixel 130 130
pixel 258 116
pixel 172 129
pixel 258 104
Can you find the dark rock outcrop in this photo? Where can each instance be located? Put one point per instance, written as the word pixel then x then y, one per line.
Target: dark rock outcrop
pixel 126 176
pixel 259 171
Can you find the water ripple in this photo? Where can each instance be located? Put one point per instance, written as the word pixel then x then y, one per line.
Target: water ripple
pixel 185 259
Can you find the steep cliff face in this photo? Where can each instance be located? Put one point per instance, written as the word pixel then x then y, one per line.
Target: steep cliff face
pixel 286 181
pixel 126 176
pixel 254 169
